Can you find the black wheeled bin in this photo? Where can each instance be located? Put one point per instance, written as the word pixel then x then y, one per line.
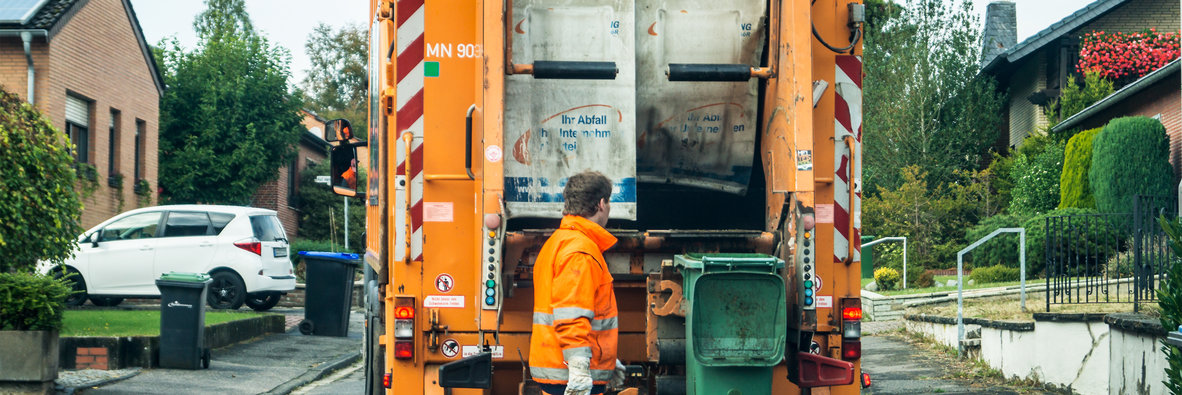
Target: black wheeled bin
pixel 327 293
pixel 182 320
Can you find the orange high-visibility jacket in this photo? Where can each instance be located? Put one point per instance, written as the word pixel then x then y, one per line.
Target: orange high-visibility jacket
pixel 574 303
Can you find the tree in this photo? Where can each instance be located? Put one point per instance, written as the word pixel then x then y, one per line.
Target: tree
pixel 39 208
pixel 336 82
pixel 932 219
pixel 228 119
pixel 925 104
pixel 1130 157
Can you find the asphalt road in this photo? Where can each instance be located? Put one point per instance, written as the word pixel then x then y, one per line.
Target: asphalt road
pixel 898 367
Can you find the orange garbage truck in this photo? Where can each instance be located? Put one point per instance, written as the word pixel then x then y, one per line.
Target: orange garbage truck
pixel 730 129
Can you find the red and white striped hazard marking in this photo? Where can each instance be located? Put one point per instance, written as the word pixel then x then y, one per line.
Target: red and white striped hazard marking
pixel 410 19
pixel 848 113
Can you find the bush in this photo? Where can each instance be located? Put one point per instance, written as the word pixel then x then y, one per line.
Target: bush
pixel 1089 236
pixel 1129 158
pixel 31 302
pixel 927 279
pixel 886 278
pixel 1036 181
pixel 1074 190
pixel 39 207
pixel 1169 297
pixel 994 274
pixel 1076 98
pixel 1002 249
pixel 298 245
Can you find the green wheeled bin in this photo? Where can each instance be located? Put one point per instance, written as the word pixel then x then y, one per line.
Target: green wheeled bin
pixel 736 326
pixel 182 320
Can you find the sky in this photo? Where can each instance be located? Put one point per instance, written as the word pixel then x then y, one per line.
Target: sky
pixel 284 22
pixel 288 22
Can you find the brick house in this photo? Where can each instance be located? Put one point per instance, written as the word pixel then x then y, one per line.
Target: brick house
pixel 280 194
pixel 86 66
pixel 1033 72
pixel 1156 95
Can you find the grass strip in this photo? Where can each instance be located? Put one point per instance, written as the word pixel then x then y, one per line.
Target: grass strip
pixel 95 323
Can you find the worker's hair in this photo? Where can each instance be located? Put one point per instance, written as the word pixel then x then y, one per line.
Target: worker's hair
pixel 583 192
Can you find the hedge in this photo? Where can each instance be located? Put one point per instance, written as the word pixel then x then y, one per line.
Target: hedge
pixel 1002 249
pixel 1074 190
pixel 994 274
pixel 1129 158
pixel 30 301
pixel 1036 181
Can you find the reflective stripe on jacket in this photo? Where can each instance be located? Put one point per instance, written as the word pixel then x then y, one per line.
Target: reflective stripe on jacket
pixel 574 303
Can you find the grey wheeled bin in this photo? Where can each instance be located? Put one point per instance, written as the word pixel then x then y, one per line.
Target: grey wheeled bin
pixel 328 292
pixel 182 320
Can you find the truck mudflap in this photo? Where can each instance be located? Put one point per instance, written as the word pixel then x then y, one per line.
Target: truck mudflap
pixel 819 371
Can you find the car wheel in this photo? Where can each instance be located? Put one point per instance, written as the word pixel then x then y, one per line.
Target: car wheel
pixel 262 302
pixel 77 285
pixel 104 301
pixel 226 291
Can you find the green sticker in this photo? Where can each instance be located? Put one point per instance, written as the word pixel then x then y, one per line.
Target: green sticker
pixel 431 69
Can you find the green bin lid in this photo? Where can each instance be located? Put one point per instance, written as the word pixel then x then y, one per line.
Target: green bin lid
pixel 185 277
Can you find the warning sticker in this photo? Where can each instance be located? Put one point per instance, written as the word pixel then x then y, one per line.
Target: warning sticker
pixel 444 282
pixel 444 301
pixel 450 348
pixel 824 213
pixel 824 301
pixel 817 285
pixel 438 212
pixel 498 352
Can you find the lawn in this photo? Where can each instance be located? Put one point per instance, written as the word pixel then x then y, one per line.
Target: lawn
pixel 130 322
pixel 944 280
pixel 1009 308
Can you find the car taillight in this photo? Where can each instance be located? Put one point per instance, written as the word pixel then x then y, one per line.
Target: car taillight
pixel 252 246
pixel 404 327
pixel 851 349
pixel 387 379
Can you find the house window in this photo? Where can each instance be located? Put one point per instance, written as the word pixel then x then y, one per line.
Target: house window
pixel 113 144
pixel 78 127
pixel 139 149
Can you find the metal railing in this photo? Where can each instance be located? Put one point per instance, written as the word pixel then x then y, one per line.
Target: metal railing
pixel 960 278
pixel 1107 258
pixel 904 240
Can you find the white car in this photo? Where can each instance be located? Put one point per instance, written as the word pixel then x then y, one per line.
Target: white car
pixel 244 250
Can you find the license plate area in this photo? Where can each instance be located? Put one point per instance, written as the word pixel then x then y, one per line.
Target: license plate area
pixel 280 252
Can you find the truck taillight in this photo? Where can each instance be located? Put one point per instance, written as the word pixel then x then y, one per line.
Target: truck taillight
pixel 865 380
pixel 404 349
pixel 852 313
pixel 404 327
pixel 851 349
pixel 387 379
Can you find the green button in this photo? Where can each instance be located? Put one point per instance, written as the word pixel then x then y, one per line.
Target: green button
pixel 490 283
pixel 431 69
pixel 808 284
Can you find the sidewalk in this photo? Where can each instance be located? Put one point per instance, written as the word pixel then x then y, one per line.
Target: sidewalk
pixel 278 362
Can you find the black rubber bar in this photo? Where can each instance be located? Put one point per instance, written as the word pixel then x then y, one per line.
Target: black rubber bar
pixel 545 69
pixel 709 72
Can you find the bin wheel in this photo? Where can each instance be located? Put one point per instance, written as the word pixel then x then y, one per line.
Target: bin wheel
pixel 205 359
pixel 306 327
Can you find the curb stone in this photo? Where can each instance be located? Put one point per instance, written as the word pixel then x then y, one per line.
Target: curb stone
pixel 72 389
pixel 314 374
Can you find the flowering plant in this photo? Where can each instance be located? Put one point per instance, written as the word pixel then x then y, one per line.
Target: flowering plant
pixel 1123 57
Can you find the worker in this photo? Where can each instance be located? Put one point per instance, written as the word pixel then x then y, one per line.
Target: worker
pixel 572 350
pixel 349 176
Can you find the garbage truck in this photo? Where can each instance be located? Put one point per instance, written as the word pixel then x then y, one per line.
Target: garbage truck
pixel 730 129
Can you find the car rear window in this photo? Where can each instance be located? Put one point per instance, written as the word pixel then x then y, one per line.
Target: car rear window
pixel 267 228
pixel 180 224
pixel 220 220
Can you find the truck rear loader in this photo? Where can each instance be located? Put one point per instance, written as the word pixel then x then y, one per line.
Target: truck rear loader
pixel 731 131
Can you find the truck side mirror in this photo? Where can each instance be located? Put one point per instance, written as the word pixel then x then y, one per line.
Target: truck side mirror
pixel 339 130
pixel 345 171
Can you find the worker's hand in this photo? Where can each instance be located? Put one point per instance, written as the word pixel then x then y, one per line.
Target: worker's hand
pixel 618 375
pixel 579 377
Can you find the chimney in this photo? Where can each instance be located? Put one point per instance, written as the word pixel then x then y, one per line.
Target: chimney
pixel 1001 30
